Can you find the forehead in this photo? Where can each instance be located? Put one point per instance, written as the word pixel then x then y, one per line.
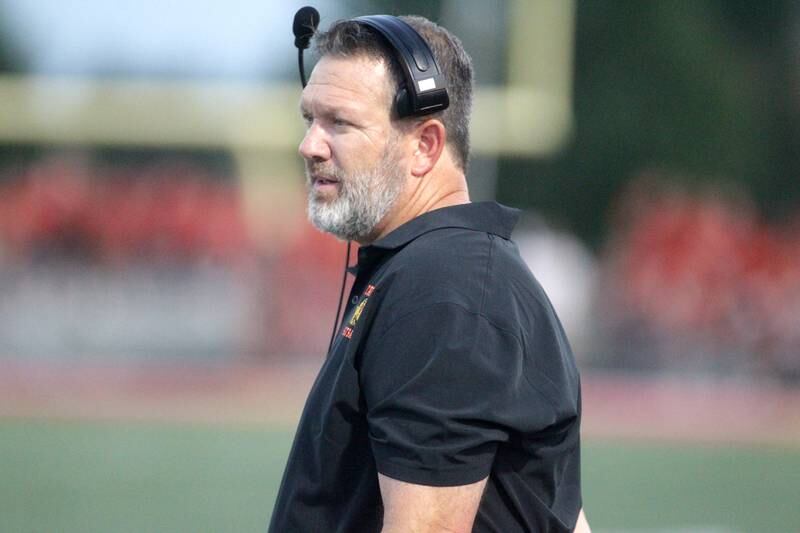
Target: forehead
pixel 353 83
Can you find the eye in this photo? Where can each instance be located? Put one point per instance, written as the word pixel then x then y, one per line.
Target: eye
pixel 339 121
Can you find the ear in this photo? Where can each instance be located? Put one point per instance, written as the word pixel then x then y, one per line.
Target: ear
pixel 429 138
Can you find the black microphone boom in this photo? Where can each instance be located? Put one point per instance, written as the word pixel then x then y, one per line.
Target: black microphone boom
pixel 305 24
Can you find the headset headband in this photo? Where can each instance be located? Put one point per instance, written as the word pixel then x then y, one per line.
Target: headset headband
pixel 425 89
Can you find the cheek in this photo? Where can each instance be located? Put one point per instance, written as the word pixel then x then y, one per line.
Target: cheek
pixel 353 154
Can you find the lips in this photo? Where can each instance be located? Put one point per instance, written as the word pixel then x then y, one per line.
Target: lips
pixel 324 180
pixel 324 186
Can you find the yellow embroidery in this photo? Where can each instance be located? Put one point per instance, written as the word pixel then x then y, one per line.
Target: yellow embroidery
pixel 358 311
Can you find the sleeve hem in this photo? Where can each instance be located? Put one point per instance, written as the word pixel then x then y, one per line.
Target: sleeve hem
pixel 434 478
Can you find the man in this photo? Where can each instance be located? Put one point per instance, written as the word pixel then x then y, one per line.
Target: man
pixel 449 400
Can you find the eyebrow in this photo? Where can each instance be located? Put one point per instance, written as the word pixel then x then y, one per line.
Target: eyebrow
pixel 327 111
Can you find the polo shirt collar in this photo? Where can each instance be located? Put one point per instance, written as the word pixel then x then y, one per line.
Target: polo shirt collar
pixel 488 217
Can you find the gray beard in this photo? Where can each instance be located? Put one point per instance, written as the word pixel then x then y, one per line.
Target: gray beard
pixel 363 201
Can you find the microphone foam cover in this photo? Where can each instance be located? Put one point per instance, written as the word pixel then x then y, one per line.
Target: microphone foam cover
pixel 305 24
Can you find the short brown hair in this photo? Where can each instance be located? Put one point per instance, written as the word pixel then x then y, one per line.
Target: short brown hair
pixel 348 38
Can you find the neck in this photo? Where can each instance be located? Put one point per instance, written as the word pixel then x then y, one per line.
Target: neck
pixel 435 190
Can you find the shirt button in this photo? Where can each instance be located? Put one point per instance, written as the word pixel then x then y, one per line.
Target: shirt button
pixel 354 300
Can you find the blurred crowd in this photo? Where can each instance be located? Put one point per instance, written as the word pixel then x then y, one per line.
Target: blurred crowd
pixel 688 280
pixel 698 281
pixel 140 261
pixel 63 208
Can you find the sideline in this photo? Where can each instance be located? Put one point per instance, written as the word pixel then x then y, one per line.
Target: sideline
pixel 615 406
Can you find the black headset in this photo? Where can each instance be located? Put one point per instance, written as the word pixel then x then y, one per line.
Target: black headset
pixel 424 89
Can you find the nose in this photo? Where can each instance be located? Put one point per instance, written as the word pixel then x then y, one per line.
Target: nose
pixel 314 146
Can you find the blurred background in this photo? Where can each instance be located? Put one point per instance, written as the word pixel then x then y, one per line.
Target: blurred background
pixel 164 304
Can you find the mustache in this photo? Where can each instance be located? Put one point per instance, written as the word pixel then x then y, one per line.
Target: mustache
pixel 322 169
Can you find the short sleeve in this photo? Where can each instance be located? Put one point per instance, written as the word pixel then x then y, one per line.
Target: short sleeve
pixel 443 388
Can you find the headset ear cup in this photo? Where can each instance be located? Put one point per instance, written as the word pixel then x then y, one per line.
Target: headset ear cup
pixel 402 103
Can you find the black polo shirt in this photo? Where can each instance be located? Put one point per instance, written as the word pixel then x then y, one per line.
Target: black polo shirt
pixel 450 365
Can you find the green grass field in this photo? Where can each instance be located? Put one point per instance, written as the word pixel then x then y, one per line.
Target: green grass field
pixel 104 477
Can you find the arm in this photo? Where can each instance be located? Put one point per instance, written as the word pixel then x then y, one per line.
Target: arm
pixel 410 508
pixel 582 526
pixel 425 509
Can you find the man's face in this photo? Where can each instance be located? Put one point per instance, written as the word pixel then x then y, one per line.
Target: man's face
pixel 354 163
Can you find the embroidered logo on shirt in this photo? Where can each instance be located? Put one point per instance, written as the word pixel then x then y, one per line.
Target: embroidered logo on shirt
pixel 358 311
pixel 347 332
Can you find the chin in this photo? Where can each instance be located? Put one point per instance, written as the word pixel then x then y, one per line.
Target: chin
pixel 323 198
